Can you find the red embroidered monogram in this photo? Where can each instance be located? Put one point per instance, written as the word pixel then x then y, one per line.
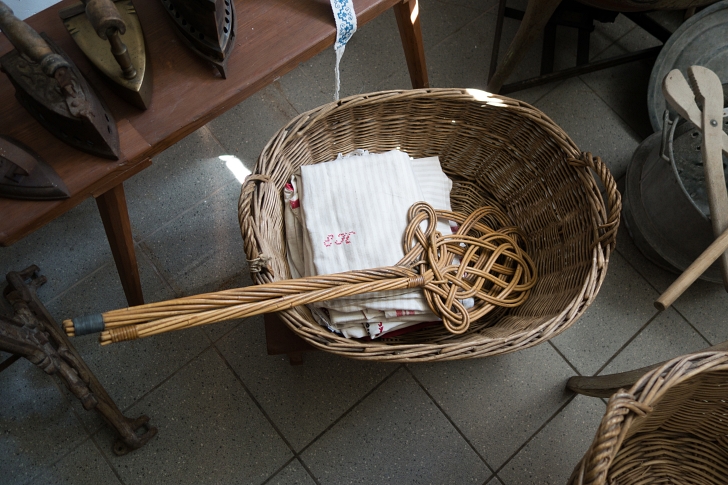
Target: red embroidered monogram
pixel 342 238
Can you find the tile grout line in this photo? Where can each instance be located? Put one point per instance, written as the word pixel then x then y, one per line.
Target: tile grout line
pixel 297 454
pixel 626 344
pixel 556 84
pixel 452 423
pixel 73 285
pixel 55 462
pixel 282 467
pixel 106 459
pixel 659 293
pixel 277 85
pixel 148 254
pixel 214 137
pixel 614 42
pixel 259 406
pixel 515 453
pixel 195 205
pixel 475 19
pixel 692 326
pixel 568 362
pixel 631 131
pixel 351 408
pixel 76 415
pixel 162 382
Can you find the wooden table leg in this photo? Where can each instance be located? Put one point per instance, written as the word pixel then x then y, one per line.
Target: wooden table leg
pixel 114 214
pixel 538 13
pixel 281 340
pixel 408 21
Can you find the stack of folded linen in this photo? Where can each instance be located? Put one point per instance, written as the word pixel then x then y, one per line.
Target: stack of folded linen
pixel 351 213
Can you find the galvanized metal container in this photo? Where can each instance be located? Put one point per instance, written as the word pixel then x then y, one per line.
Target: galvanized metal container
pixel 665 204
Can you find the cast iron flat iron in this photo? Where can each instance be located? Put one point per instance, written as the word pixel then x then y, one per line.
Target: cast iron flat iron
pixel 124 58
pixel 206 26
pixel 54 92
pixel 24 175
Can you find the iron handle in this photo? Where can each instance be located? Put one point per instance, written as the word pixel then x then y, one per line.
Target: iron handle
pixel 108 24
pixel 28 42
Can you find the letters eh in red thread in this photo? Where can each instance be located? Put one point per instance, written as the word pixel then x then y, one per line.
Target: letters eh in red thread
pixel 342 238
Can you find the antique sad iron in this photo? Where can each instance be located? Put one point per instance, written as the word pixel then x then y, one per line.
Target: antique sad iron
pixel 54 92
pixel 126 62
pixel 206 26
pixel 24 175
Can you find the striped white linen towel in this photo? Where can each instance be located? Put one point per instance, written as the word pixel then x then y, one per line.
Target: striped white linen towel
pixel 350 214
pixel 355 214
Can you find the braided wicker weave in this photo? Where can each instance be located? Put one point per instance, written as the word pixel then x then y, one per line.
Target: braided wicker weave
pixel 498 151
pixel 670 427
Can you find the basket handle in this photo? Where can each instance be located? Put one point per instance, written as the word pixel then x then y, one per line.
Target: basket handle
pixel 259 260
pixel 594 466
pixel 607 231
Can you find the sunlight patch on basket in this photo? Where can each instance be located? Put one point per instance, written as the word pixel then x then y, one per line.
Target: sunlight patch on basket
pixel 234 164
pixel 488 98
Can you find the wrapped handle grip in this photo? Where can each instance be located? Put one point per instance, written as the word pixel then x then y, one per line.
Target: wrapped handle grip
pixel 28 42
pixel 103 16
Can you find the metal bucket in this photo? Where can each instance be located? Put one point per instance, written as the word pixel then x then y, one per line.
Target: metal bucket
pixel 665 204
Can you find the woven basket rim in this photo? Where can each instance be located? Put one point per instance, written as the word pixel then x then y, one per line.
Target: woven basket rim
pixel 625 406
pixel 476 345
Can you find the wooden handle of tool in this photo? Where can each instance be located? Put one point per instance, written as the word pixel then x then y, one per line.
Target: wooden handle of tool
pixel 103 16
pixel 28 42
pixel 680 96
pixel 109 25
pixel 693 272
pixel 709 92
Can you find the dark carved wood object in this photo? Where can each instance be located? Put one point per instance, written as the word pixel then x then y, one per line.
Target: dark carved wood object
pixel 33 334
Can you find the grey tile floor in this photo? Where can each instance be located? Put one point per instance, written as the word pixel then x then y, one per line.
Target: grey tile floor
pixel 229 413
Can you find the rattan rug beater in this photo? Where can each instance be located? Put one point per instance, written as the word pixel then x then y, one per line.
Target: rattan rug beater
pixel 498 151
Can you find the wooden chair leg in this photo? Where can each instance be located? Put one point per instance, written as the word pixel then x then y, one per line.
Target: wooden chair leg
pixel 115 216
pixel 407 13
pixel 538 13
pixel 605 386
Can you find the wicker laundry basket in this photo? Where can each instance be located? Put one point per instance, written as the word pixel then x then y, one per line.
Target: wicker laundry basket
pixel 670 427
pixel 497 151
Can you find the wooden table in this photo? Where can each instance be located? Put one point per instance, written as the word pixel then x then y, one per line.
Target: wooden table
pixel 273 37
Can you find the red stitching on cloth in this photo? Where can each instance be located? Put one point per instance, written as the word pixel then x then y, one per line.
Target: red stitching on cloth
pixel 342 238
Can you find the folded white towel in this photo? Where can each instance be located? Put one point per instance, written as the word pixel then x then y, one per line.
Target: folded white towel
pixel 351 213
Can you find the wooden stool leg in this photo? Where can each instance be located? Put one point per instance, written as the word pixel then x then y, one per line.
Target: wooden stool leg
pixel 408 21
pixel 115 216
pixel 538 13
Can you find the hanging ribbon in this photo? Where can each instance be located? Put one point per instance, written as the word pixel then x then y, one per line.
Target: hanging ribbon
pixel 345 18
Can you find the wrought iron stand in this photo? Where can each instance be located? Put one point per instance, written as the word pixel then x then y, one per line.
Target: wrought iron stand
pixel 33 334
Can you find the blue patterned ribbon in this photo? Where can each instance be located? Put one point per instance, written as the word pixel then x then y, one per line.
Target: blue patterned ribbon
pixel 345 18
